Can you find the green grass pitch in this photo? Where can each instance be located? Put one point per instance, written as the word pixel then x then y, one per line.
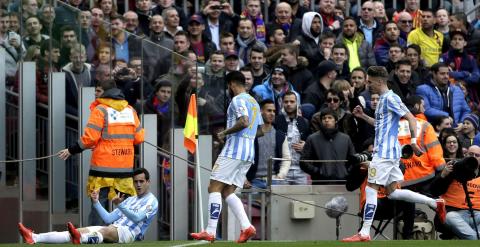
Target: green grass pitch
pixel 417 243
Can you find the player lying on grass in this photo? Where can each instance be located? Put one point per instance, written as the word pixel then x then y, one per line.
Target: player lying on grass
pixel 128 222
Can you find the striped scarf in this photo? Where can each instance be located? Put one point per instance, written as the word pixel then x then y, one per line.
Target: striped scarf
pixel 259 25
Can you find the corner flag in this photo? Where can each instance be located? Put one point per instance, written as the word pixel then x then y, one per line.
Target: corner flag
pixel 190 131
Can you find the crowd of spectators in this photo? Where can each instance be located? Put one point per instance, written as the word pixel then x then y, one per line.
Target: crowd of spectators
pixel 308 60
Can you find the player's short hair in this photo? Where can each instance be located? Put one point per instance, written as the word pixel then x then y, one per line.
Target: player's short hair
pixel 378 71
pixel 265 102
pixel 141 170
pixel 235 77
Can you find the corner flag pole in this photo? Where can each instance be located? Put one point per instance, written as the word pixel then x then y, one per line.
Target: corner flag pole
pixel 199 186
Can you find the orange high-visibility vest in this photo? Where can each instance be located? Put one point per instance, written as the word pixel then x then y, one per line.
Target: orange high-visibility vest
pixel 419 169
pixel 455 195
pixel 112 134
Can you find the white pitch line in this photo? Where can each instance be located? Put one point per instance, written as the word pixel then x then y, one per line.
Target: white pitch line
pixel 192 244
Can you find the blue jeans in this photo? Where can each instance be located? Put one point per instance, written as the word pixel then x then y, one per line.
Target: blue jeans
pixel 461 223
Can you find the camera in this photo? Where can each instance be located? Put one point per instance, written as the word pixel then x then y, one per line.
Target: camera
pixel 217 7
pixel 360 157
pixel 465 169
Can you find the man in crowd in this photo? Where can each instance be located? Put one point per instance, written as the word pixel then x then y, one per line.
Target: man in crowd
pixel 429 39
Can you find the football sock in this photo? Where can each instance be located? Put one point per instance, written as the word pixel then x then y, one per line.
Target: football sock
pixel 410 196
pixel 369 210
pixel 92 238
pixel 236 206
pixel 52 237
pixel 214 210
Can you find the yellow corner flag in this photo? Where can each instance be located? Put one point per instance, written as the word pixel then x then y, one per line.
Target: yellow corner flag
pixel 190 131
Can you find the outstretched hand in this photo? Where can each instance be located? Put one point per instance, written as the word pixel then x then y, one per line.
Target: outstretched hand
pixel 64 154
pixel 119 198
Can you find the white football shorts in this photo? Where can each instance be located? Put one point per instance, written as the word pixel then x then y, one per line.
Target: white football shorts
pixel 125 236
pixel 230 171
pixel 384 171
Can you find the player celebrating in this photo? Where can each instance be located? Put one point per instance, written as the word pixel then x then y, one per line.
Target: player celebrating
pixel 128 222
pixel 236 157
pixel 384 169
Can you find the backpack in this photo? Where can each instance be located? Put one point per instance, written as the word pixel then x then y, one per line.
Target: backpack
pixel 423 228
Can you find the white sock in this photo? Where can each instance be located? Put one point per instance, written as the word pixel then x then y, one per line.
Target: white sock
pixel 52 237
pixel 410 196
pixel 91 238
pixel 214 210
pixel 236 206
pixel 369 210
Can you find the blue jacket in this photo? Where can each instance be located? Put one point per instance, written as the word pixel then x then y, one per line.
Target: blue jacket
pixel 468 69
pixel 265 91
pixel 434 102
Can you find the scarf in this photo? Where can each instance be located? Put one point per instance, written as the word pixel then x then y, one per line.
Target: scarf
pixel 242 51
pixel 258 24
pixel 329 133
pixel 161 108
pixel 286 26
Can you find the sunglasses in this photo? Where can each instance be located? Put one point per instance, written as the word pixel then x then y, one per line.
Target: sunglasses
pixel 406 22
pixel 334 100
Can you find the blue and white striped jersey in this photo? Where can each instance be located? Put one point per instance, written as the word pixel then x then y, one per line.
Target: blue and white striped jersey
pixel 239 145
pixel 387 116
pixel 144 209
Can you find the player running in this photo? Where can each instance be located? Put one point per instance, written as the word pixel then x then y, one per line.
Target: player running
pixel 384 169
pixel 236 157
pixel 128 222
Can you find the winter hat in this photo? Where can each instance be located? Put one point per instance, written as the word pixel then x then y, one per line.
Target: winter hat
pixel 473 119
pixel 324 67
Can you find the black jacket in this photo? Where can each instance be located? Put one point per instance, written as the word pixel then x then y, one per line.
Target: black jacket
pixel 311 50
pixel 302 125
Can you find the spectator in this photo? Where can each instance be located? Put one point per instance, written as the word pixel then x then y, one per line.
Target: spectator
pixel 412 7
pixel 275 86
pixel 98 26
pixel 395 54
pixel 65 15
pixel 12 43
pixel 248 74
pixel 219 18
pixel 458 218
pixel 227 42
pixel 232 62
pixel 316 92
pixel 400 81
pixel 77 75
pixel 47 18
pixel 128 80
pixel 33 35
pixel 463 67
pixel 48 62
pixel 458 21
pixel 87 34
pixel 442 20
pixel 298 74
pixel 309 39
pixel 451 146
pixel 144 11
pixel 330 22
pixel 132 23
pixel 382 46
pixel 327 144
pixel 442 98
pixel 272 144
pixel 105 56
pixel 296 129
pixel 215 73
pixel 283 17
pixel 360 52
pixel 253 12
pixel 68 40
pixel 429 39
pixel 422 74
pixel 157 59
pixel 367 23
pixel 440 123
pixel 160 103
pixel 276 36
pixel 198 42
pixel 340 57
pixel 172 22
pixel 121 41
pixel 469 131
pixel 14 22
pixel 379 12
pixel 405 24
pixel 29 8
pixel 344 119
pixel 108 7
pixel 346 89
pixel 165 4
pixel 246 40
pixel 257 65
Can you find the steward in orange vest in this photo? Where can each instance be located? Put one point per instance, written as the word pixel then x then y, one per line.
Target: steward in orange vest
pixel 112 131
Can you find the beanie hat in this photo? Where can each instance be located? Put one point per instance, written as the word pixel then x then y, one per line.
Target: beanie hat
pixel 473 119
pixel 324 67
